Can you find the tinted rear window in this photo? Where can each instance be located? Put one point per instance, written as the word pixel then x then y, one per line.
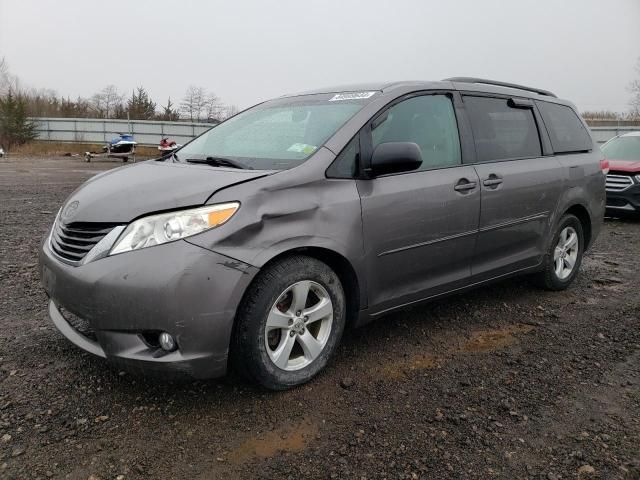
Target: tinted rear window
pixel 566 131
pixel 500 131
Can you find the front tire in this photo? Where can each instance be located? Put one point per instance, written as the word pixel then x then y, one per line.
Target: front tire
pixel 564 257
pixel 289 323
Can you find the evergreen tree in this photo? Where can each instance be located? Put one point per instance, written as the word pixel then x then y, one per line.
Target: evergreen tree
pixel 169 113
pixel 140 106
pixel 15 126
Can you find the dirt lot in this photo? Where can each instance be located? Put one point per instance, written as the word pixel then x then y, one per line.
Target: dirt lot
pixel 504 382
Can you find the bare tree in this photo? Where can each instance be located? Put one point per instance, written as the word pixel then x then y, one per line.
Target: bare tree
pixel 213 108
pixel 230 111
pixel 4 76
pixel 107 102
pixel 96 104
pixel 634 88
pixel 112 98
pixel 193 102
pixel 7 80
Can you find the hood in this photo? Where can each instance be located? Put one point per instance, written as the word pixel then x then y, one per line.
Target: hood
pixel 630 166
pixel 123 194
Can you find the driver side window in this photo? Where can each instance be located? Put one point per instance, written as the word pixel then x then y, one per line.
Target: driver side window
pixel 427 120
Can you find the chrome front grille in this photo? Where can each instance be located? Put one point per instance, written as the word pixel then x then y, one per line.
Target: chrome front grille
pixel 618 183
pixel 74 240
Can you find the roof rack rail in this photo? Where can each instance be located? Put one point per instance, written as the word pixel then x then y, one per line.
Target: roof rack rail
pixel 500 84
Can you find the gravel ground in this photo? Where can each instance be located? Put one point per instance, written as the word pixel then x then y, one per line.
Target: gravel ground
pixel 503 382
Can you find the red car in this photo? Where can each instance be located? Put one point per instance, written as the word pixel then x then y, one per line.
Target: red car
pixel 623 179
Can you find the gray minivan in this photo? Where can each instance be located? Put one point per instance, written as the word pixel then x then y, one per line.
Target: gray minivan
pixel 256 243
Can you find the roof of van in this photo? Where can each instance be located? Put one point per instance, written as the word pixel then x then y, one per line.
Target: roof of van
pixel 455 83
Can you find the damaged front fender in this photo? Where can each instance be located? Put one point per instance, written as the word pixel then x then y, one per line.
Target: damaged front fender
pixel 293 209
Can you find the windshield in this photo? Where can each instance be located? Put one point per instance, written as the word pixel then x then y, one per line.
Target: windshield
pixel 623 148
pixel 278 134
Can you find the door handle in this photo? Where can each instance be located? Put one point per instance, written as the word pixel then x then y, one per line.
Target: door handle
pixel 464 185
pixel 492 181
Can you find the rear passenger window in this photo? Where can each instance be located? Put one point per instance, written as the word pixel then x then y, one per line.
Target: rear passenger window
pixel 427 120
pixel 566 131
pixel 500 131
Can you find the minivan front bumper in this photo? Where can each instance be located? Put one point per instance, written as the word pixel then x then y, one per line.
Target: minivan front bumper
pixel 179 288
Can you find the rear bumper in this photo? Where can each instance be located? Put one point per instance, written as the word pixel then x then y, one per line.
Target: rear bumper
pixel 626 201
pixel 185 290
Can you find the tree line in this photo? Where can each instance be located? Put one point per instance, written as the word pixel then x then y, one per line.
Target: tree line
pixel 197 104
pixel 19 103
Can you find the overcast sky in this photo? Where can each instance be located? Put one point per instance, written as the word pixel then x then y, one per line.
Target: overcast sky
pixel 250 50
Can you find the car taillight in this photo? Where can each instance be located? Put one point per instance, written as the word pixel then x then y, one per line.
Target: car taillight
pixel 604 166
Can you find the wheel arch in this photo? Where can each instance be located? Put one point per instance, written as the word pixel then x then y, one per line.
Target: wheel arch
pixel 339 264
pixel 581 212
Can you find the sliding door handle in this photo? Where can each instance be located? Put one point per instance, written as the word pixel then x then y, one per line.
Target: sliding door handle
pixel 464 185
pixel 492 181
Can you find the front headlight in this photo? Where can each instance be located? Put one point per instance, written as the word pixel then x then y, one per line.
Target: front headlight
pixel 168 227
pixel 638 178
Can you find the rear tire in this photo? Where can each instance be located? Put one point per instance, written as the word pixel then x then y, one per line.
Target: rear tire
pixel 564 257
pixel 289 323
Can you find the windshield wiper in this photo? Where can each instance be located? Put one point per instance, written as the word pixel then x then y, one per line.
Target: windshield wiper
pixel 220 162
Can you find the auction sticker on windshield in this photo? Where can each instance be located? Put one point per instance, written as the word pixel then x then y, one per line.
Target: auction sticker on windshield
pixel 351 96
pixel 302 148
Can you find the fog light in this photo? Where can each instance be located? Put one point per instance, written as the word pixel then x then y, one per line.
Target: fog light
pixel 167 342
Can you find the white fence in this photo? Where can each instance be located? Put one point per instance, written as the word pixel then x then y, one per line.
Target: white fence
pixel 92 130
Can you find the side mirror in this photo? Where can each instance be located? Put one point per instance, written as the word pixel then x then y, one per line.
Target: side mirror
pixel 395 157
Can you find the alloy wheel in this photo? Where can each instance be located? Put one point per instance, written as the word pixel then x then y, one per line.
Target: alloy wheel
pixel 565 254
pixel 298 325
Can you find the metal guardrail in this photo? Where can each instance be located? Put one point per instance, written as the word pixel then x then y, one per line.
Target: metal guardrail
pixel 149 132
pixel 97 130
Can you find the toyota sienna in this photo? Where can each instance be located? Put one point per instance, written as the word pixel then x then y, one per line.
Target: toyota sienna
pixel 255 244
